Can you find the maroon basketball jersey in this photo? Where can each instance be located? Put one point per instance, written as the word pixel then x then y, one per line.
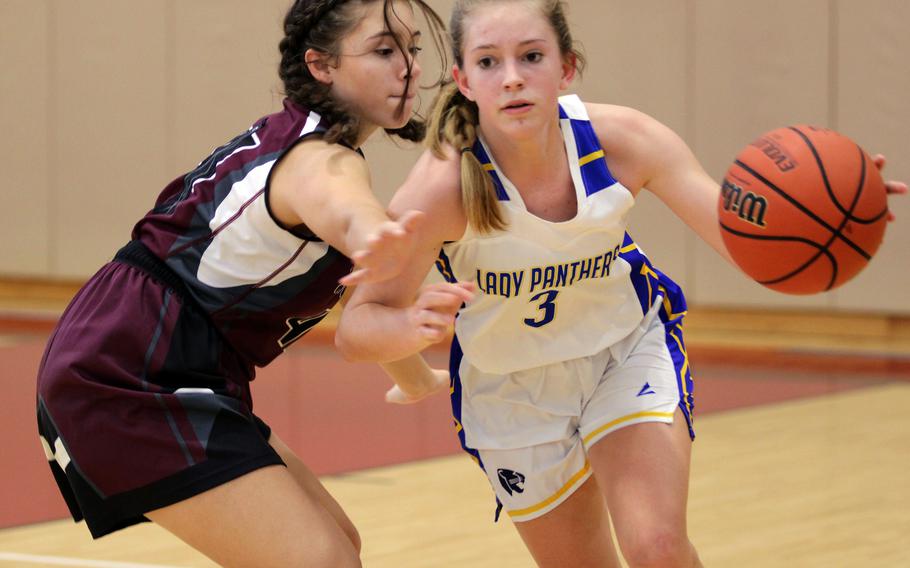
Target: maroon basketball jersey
pixel 263 286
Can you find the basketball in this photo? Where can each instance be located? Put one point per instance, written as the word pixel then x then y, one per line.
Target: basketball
pixel 802 209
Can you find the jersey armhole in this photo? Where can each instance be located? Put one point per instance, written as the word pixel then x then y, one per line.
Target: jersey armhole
pixel 300 231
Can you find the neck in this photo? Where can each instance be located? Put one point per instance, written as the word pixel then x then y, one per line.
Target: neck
pixel 526 158
pixel 366 130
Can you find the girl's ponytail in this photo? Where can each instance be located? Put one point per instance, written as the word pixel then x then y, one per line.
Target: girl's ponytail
pixel 453 122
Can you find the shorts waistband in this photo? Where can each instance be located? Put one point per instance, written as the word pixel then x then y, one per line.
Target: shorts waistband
pixel 135 253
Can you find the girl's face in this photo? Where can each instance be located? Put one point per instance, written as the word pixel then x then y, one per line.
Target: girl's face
pixel 512 67
pixel 371 73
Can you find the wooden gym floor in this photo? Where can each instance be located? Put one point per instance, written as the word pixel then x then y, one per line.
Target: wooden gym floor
pixel 801 458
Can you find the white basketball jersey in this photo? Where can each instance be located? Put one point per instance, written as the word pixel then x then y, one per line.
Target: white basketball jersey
pixel 554 291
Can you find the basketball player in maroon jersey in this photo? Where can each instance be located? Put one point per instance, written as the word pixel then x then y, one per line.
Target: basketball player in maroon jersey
pixel 144 405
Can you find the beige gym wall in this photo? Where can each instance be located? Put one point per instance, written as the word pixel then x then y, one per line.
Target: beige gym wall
pixel 103 102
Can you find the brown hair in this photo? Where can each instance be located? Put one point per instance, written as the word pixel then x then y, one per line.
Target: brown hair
pixel 321 25
pixel 454 118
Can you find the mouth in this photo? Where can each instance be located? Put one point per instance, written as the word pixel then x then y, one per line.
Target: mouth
pixel 517 106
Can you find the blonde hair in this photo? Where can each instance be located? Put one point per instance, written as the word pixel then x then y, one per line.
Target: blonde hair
pixel 454 118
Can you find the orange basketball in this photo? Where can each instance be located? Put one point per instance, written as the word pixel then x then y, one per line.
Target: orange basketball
pixel 802 209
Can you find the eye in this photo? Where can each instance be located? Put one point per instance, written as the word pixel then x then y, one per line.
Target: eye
pixel 415 49
pixel 534 56
pixel 485 62
pixel 384 51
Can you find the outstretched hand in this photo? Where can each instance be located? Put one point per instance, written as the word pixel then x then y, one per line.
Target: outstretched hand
pixel 387 251
pixel 891 187
pixel 433 312
pixel 396 395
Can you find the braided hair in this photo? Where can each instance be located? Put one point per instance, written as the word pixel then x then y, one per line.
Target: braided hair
pixel 321 25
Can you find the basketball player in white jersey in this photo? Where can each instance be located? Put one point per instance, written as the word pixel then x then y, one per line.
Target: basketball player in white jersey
pixel 570 381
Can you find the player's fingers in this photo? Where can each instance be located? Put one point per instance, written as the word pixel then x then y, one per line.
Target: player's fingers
pixel 434 318
pixel 463 290
pixel 397 396
pixel 896 187
pixel 430 320
pixel 462 293
pixel 440 315
pixel 411 220
pixel 469 286
pixel 354 278
pixel 361 257
pixel 433 334
pixel 879 160
pixel 387 233
pixel 440 301
pixel 392 234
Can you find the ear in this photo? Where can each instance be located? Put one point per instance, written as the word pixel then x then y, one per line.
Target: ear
pixel 461 79
pixel 569 68
pixel 318 64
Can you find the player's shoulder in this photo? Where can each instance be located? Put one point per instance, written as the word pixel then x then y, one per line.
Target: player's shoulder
pixel 621 127
pixel 317 157
pixel 620 119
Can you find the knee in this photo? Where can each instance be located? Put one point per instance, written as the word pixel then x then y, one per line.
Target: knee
pixel 354 535
pixel 351 532
pixel 663 547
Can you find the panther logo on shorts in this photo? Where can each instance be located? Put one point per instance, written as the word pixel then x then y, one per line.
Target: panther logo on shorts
pixel 511 481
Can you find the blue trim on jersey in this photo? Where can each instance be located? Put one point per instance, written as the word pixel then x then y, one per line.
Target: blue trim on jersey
pixel 484 159
pixel 455 357
pixel 444 266
pixel 684 383
pixel 595 174
pixel 650 283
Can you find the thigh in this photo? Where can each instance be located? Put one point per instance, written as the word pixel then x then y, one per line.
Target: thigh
pixel 643 470
pixel 548 492
pixel 308 481
pixel 577 533
pixel 264 519
pixel 648 380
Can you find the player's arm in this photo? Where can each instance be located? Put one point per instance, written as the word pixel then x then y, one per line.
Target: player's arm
pixel 646 154
pixel 390 320
pixel 327 187
pixel 414 379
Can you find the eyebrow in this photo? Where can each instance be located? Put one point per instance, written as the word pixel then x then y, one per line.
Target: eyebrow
pixel 387 33
pixel 493 46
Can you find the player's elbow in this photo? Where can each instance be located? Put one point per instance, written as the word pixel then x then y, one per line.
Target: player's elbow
pixel 355 347
pixel 349 349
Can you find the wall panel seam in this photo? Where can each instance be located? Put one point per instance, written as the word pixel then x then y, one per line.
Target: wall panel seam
pixel 51 260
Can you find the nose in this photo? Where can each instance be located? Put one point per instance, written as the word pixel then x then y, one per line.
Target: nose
pixel 415 67
pixel 512 79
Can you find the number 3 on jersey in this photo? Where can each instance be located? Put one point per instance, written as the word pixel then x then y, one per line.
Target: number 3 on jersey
pixel 546 307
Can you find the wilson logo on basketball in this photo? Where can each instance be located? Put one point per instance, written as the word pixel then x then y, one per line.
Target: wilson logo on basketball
pixel 750 207
pixel 775 153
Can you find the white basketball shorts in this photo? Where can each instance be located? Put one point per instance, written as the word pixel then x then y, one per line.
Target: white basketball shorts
pixel 530 430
